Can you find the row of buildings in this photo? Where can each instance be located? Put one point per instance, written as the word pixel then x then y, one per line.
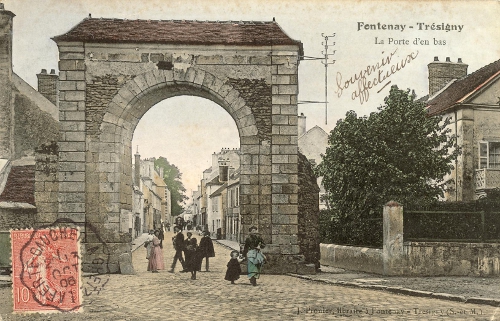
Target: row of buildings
pixel 151 206
pixel 215 205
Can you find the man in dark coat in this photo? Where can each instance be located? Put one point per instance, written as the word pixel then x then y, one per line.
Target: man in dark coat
pixel 206 249
pixel 161 236
pixel 178 241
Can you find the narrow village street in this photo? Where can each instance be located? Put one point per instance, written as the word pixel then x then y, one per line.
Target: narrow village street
pixel 174 296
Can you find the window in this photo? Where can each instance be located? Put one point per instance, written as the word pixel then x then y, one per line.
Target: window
pixel 237 203
pixel 489 155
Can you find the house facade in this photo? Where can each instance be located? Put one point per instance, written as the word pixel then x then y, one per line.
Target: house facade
pixel 151 204
pixel 214 192
pixel 472 102
pixel 313 143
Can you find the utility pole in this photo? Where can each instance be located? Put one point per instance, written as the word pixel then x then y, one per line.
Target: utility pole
pixel 324 61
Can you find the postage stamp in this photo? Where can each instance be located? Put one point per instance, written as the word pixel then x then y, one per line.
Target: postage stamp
pixel 46 270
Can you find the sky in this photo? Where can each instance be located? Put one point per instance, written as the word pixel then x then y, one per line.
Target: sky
pixel 187 130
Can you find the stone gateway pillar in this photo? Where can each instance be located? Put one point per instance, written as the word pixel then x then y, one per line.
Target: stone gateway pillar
pixel 110 77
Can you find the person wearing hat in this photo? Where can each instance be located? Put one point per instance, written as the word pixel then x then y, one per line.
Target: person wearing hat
pixel 206 250
pixel 252 251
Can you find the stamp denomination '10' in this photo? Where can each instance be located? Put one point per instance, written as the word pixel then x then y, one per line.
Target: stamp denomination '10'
pixel 46 270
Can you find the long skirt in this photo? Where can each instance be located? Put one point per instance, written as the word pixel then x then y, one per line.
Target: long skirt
pixel 255 262
pixel 156 259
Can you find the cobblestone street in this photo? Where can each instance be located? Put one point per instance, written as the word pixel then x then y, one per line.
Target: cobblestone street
pixel 174 296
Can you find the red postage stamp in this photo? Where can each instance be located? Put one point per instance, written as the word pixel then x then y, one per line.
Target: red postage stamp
pixel 46 270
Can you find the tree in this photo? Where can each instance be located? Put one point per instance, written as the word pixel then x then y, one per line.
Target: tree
pixel 172 177
pixel 398 153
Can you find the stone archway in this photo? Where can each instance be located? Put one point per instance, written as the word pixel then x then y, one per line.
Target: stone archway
pixel 107 84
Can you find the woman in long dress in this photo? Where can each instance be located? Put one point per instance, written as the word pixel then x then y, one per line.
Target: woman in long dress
pixel 191 255
pixel 156 257
pixel 254 256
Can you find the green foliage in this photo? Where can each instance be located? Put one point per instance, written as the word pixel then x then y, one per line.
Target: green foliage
pixel 398 153
pixel 172 177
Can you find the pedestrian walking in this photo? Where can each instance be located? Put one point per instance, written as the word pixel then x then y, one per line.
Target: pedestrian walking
pixel 252 251
pixel 233 267
pixel 156 257
pixel 206 250
pixel 148 244
pixel 191 254
pixel 161 236
pixel 178 242
pixel 168 226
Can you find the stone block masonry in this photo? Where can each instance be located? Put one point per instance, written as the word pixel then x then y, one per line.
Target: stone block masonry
pixel 105 90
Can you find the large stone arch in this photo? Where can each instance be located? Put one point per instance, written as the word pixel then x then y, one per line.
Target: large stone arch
pixel 109 78
pixel 123 114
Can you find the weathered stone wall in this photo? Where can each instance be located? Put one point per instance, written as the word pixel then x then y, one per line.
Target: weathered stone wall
pixel 6 110
pixel 105 90
pixel 414 258
pixel 308 216
pixel 99 92
pixel 32 127
pixel 46 183
pixel 17 218
pixel 444 258
pixel 352 258
pixel 257 94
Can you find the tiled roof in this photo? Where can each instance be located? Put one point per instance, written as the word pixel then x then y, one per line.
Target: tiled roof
pixel 251 33
pixel 461 89
pixel 20 186
pixel 219 190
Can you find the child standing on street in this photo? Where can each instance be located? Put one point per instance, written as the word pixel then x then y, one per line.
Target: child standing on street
pixel 233 267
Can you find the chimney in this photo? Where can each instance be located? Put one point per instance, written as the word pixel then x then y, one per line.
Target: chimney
pixel 48 85
pixel 214 160
pixel 223 170
pixel 137 168
pixel 6 106
pixel 441 73
pixel 302 124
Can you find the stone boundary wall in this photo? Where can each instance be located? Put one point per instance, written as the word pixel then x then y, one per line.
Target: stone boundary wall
pixel 447 258
pixel 352 258
pixel 414 258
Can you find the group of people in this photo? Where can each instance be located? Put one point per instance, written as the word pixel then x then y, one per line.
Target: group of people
pixel 194 254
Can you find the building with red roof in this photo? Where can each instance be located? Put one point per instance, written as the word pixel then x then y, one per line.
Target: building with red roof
pixel 472 102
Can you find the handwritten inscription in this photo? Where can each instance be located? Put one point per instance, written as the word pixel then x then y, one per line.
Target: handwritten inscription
pixel 376 75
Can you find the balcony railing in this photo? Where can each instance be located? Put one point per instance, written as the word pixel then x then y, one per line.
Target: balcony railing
pixel 487 178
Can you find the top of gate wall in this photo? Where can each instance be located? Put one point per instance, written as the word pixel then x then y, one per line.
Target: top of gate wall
pixel 240 52
pixel 179 32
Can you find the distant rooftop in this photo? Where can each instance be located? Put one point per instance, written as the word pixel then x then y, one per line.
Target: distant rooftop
pixel 193 32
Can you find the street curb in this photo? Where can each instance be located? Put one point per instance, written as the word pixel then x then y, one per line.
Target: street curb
pixel 224 245
pixel 403 291
pixel 488 301
pixel 133 250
